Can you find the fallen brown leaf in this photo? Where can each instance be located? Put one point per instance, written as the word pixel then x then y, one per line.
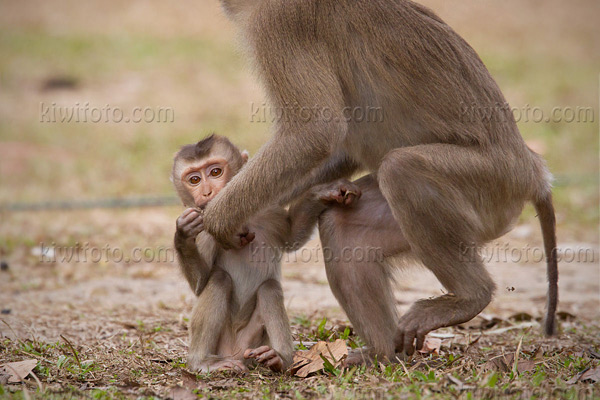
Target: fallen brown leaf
pixel 18 370
pixel 496 364
pixel 308 361
pixel 431 346
pixel 481 322
pixel 503 363
pixel 591 374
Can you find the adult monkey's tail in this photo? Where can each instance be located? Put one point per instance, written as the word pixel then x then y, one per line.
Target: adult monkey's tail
pixel 545 209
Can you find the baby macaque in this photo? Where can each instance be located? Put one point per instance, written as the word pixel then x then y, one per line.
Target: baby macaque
pixel 239 316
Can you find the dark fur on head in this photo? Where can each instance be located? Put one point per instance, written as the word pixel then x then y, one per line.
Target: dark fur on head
pixel 212 144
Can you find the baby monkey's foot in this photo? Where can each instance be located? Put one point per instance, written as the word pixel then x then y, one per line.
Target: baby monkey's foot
pixel 229 364
pixel 266 356
pixel 342 192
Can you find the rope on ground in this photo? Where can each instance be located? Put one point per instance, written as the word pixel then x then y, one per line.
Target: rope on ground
pixel 127 202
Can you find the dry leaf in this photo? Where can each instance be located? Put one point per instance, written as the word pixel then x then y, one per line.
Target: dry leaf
pixel 431 345
pixel 19 370
pixel 592 375
pixel 505 362
pixel 308 361
pixel 521 317
pixel 190 381
pixel 497 364
pixel 565 316
pixel 481 322
pixel 525 366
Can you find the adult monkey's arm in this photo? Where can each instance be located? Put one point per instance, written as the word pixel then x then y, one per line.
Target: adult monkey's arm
pixel 338 166
pixel 301 141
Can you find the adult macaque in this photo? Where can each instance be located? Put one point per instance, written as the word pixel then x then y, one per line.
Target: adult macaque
pixel 443 179
pixel 239 314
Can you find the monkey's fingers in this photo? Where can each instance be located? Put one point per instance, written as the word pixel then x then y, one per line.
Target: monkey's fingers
pixel 409 342
pixel 187 212
pixel 190 213
pixel 399 341
pixel 275 364
pixel 266 356
pixel 192 228
pixel 192 217
pixel 420 340
pixel 254 353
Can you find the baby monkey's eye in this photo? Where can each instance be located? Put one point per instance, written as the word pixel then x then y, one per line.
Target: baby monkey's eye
pixel 216 172
pixel 194 180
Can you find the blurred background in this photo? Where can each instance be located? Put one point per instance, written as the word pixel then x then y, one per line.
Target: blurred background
pixel 180 64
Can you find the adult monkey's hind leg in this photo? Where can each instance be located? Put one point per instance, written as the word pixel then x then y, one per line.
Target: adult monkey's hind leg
pixel 355 241
pixel 448 200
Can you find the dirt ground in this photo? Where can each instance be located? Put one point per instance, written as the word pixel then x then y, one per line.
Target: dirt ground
pixel 36 285
pixel 108 328
pixel 129 320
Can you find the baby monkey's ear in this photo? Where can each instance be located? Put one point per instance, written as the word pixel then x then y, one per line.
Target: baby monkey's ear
pixel 245 156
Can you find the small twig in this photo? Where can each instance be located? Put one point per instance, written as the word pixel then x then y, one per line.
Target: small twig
pixel 331 354
pixel 515 367
pixel 72 350
pixel 36 356
pixel 11 329
pixel 510 328
pixel 142 343
pixel 405 369
pixel 26 392
pixel 37 381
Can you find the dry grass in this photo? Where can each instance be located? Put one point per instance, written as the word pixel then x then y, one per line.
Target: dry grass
pixel 112 329
pixel 105 357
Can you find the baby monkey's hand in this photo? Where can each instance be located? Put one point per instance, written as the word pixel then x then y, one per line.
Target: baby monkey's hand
pixel 190 223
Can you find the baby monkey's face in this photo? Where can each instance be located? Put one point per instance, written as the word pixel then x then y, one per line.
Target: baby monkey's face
pixel 203 180
pixel 202 169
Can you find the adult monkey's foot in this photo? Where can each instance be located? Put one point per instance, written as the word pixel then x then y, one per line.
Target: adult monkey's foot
pixel 360 356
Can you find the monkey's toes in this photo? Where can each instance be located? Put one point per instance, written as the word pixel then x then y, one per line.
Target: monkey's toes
pixel 357 357
pixel 410 331
pixel 234 366
pixel 266 356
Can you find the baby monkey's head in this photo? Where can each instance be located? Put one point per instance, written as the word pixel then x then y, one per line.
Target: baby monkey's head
pixel 202 169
